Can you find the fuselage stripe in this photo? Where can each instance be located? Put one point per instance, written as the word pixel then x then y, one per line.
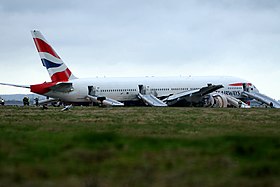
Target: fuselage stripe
pixel 240 84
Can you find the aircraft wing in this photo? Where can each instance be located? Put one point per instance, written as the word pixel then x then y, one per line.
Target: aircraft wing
pixel 62 87
pixel 192 95
pixel 15 85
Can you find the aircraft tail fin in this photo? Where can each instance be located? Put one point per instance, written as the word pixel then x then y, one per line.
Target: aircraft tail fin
pixel 57 69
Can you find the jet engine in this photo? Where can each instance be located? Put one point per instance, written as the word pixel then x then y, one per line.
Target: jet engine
pixel 215 100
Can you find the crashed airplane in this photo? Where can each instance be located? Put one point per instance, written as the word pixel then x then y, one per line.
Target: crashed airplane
pixel 200 91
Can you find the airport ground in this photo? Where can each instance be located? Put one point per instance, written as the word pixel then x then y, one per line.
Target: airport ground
pixel 139 146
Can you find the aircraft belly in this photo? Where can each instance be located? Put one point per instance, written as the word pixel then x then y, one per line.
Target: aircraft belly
pixel 68 97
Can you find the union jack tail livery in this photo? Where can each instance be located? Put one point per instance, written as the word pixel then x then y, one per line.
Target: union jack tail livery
pixel 57 69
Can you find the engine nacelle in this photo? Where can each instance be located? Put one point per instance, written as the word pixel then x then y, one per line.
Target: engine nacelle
pixel 220 100
pixel 208 100
pixel 216 100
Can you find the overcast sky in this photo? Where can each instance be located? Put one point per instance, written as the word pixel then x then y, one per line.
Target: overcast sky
pixel 144 38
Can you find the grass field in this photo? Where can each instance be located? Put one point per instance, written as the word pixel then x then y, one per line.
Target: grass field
pixel 139 146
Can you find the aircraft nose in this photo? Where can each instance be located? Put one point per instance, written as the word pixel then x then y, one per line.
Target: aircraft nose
pixel 254 89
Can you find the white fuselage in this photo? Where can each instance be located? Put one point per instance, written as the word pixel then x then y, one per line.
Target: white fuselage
pixel 127 88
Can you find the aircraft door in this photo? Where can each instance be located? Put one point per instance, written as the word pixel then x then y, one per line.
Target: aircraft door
pixel 144 89
pixel 245 87
pixel 92 90
pixel 148 90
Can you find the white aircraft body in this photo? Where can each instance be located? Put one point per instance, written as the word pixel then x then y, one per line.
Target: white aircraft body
pixel 216 91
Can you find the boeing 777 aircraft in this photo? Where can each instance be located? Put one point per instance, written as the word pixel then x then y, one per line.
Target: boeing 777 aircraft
pixel 213 91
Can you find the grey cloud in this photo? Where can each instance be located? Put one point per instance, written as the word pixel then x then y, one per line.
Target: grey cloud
pixel 33 6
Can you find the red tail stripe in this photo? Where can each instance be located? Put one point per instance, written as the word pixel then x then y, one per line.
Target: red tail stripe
pixel 61 76
pixel 42 46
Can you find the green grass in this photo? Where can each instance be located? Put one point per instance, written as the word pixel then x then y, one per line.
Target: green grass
pixel 139 146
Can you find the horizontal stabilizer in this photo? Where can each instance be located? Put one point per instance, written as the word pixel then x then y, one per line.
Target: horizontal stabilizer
pixel 151 100
pixel 262 98
pixel 62 87
pixel 15 85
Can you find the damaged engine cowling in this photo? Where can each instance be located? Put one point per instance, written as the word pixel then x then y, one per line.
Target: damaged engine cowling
pixel 216 100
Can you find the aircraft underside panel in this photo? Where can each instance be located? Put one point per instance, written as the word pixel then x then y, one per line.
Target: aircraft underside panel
pixel 262 98
pixel 151 100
